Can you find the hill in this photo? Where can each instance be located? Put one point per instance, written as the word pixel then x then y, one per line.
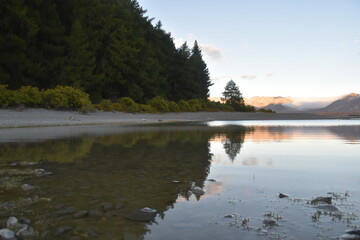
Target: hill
pixel 347 103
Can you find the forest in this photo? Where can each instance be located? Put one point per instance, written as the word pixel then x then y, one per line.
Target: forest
pixel 107 48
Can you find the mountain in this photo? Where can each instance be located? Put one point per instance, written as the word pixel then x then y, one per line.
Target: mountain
pixel 263 102
pixel 281 108
pixel 347 103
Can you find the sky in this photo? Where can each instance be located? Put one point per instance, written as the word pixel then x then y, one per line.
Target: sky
pixel 283 48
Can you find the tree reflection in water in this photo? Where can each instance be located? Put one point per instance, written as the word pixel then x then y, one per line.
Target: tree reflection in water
pixel 149 168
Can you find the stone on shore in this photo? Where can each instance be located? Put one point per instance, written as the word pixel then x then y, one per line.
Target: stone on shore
pixel 142 215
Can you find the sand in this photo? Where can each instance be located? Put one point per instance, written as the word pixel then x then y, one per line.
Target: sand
pixel 45 118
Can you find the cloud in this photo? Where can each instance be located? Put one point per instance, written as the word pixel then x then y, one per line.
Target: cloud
pixel 211 51
pixel 248 77
pixel 178 42
pixel 269 74
pixel 219 79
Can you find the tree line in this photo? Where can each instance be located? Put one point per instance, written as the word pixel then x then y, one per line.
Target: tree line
pixel 107 48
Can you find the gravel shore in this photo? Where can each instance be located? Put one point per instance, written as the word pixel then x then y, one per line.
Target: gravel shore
pixel 44 118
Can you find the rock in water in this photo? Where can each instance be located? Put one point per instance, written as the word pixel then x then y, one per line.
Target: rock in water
pixel 197 191
pixel 63 212
pixel 25 232
pixel 142 215
pixel 7 234
pixel 329 208
pixel 318 200
pixel 353 231
pixel 350 237
pixel 283 195
pixel 12 222
pixel 80 214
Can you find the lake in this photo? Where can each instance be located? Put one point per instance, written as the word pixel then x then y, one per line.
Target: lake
pixel 146 182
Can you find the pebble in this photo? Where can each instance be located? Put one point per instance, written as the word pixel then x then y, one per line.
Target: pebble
pixel 230 216
pixel 119 205
pixel 41 172
pixel 329 208
pixel 27 187
pixel 12 222
pixel 7 234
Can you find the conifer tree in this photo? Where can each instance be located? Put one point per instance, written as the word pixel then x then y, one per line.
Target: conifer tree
pixel 232 96
pixel 200 72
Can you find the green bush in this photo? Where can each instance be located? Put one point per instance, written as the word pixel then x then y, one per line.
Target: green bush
pixel 5 95
pixel 159 103
pixel 128 105
pixel 65 97
pixel 173 107
pixel 143 108
pixel 105 105
pixel 265 110
pixel 28 96
pixel 217 106
pixel 184 106
pixel 196 105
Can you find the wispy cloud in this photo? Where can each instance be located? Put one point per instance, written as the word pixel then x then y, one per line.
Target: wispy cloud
pixel 248 77
pixel 211 51
pixel 269 74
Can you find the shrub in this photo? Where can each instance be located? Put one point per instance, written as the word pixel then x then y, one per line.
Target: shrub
pixel 65 97
pixel 173 107
pixel 143 108
pixel 128 105
pixel 28 96
pixel 196 105
pixel 105 105
pixel 159 103
pixel 5 95
pixel 184 106
pixel 265 110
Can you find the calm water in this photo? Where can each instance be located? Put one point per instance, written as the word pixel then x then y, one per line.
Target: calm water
pixel 241 166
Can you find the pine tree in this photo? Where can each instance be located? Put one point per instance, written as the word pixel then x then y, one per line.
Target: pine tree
pixel 200 73
pixel 233 96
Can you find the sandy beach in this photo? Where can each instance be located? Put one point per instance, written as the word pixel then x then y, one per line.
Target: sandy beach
pixel 45 118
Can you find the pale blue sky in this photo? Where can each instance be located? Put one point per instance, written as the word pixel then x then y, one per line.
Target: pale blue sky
pixel 304 48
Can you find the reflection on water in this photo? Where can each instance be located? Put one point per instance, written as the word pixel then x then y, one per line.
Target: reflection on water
pixel 241 169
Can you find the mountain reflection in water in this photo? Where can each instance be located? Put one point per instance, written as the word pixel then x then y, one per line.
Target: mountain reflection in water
pixel 154 167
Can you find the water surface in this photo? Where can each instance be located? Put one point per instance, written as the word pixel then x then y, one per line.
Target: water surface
pixel 241 165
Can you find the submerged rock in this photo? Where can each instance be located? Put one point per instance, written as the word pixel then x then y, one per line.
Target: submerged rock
pixel 142 215
pixel 107 206
pixel 318 200
pixel 269 223
pixel 12 222
pixel 353 231
pixel 63 212
pixel 61 230
pixel 7 234
pixel 329 208
pixel 230 216
pixel 27 187
pixel 119 205
pixel 25 232
pixel 80 214
pixel 95 213
pixel 41 172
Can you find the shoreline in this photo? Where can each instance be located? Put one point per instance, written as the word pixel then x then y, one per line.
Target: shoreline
pixel 27 118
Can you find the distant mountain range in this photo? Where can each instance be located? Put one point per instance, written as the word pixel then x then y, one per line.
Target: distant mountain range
pixel 348 104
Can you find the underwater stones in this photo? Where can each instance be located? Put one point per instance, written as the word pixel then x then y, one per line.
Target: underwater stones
pixel 61 230
pixel 25 232
pixel 80 214
pixel 269 223
pixel 63 212
pixel 41 172
pixel 142 215
pixel 353 234
pixel 107 206
pixel 7 234
pixel 12 222
pixel 329 208
pixel 27 187
pixel 318 200
pixel 197 191
pixel 119 205
pixel 283 195
pixel 95 213
pixel 230 216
